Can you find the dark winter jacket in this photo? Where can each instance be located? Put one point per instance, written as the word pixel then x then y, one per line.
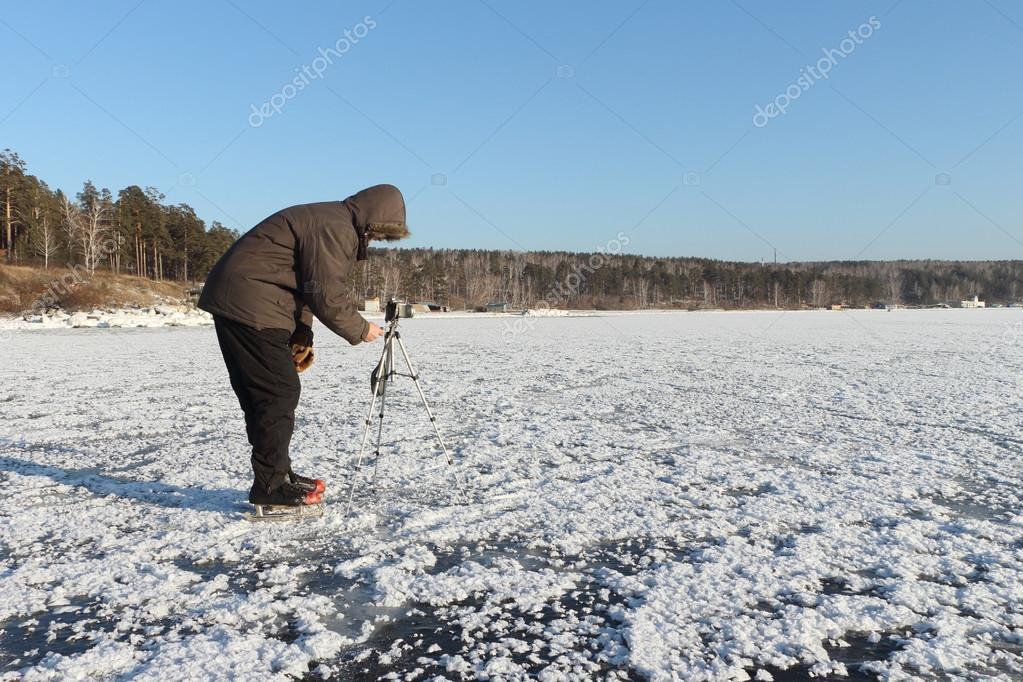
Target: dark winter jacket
pixel 293 265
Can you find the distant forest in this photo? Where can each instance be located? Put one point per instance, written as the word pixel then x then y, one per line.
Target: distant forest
pixel 135 233
pixel 570 280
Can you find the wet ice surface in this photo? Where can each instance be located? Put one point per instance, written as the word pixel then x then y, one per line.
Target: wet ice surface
pixel 691 496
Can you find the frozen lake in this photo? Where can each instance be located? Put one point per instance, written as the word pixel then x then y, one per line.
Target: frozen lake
pixel 712 496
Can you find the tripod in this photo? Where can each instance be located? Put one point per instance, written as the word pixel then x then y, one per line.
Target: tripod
pixel 382 375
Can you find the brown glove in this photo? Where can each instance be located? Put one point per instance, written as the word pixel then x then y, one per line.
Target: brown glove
pixel 302 355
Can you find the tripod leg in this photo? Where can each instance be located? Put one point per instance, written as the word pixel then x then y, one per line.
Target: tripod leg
pixel 380 434
pixel 433 420
pixel 365 434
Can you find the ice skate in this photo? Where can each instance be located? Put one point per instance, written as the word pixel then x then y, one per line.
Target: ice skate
pixel 289 501
pixel 313 485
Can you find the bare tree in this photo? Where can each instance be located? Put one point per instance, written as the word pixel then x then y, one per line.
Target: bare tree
pixel 642 287
pixel 392 273
pixel 818 292
pixel 87 230
pixel 42 235
pixel 477 276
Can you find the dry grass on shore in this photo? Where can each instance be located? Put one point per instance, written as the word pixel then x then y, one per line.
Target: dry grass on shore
pixel 22 288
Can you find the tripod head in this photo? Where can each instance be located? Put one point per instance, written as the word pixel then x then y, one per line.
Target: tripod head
pixel 397 309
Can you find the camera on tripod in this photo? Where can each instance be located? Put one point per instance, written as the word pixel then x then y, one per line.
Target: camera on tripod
pixel 397 309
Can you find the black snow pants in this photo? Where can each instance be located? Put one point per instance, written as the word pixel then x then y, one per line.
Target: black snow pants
pixel 263 377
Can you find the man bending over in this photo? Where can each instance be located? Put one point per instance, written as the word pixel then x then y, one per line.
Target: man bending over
pixel 263 294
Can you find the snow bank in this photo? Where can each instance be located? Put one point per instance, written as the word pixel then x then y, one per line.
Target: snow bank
pixel 156 316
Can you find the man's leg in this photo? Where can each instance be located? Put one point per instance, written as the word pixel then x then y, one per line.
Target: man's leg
pixel 267 385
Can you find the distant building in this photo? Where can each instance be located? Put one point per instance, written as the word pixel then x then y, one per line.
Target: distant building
pixel 497 307
pixel 975 302
pixel 372 305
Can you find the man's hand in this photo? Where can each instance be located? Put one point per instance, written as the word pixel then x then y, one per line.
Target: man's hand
pixel 373 333
pixel 302 355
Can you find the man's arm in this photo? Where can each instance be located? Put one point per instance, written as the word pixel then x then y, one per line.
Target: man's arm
pixel 301 341
pixel 324 263
pixel 304 326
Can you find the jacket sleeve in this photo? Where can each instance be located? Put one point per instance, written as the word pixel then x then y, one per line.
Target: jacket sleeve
pixel 304 323
pixel 323 265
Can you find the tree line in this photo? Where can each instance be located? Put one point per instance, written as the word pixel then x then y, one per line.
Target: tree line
pixel 135 233
pixel 469 278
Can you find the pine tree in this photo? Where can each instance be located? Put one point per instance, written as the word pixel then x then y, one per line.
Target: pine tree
pixel 12 174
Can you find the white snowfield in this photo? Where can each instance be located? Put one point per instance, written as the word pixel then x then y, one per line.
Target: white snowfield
pixel 667 497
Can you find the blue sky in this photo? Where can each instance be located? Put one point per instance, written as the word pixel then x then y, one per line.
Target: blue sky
pixel 532 125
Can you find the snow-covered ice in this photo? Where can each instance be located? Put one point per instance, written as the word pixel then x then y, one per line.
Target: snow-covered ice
pixel 719 496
